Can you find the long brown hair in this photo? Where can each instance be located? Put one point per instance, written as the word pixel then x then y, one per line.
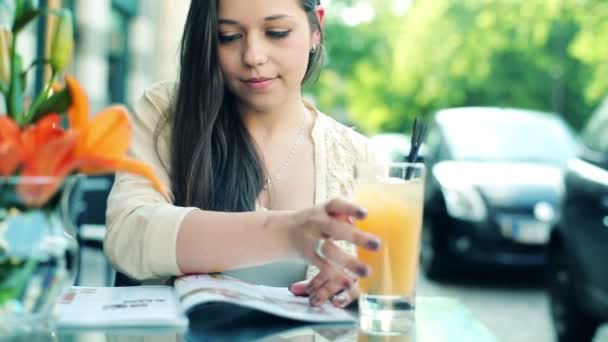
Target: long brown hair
pixel 214 161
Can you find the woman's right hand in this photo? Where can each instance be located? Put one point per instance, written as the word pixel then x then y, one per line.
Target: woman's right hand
pixel 331 221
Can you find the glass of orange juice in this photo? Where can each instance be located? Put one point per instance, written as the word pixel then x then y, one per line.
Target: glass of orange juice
pixel 393 194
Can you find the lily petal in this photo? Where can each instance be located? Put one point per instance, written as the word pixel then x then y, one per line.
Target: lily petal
pixel 108 135
pixel 78 112
pixel 55 160
pixel 11 159
pixel 98 165
pixel 40 134
pixel 11 147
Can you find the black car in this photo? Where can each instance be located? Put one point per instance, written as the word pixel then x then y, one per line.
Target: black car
pixel 578 249
pixel 493 185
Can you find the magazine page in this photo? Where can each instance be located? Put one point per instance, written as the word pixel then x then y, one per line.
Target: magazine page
pixel 94 307
pixel 198 289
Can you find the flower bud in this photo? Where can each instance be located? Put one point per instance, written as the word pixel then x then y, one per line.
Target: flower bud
pixel 5 56
pixel 63 42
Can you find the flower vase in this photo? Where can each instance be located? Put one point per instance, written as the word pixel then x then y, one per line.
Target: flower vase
pixel 38 251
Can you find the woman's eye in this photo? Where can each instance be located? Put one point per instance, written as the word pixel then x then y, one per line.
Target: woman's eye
pixel 278 34
pixel 228 38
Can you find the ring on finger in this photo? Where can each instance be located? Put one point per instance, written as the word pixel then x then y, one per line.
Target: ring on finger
pixel 340 298
pixel 319 248
pixel 344 297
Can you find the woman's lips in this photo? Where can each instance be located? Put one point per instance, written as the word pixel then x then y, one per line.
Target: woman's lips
pixel 259 83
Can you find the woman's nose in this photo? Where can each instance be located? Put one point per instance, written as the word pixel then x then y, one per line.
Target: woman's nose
pixel 255 52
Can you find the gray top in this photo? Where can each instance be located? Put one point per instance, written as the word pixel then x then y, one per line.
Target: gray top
pixel 274 274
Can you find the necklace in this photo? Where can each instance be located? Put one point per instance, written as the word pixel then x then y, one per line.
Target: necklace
pixel 270 181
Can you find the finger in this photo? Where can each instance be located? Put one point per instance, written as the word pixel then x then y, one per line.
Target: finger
pixel 339 206
pixel 318 280
pixel 334 285
pixel 336 255
pixel 299 288
pixel 339 230
pixel 316 286
pixel 329 277
pixel 344 218
pixel 344 298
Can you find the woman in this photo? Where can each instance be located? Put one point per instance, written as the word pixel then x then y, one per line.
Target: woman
pixel 252 169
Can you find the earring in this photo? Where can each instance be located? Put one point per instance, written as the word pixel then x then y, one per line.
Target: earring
pixel 313 49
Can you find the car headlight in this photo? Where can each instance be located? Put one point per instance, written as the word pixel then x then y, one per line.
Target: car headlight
pixel 465 203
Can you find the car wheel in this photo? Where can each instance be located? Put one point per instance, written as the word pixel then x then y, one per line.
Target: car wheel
pixel 570 321
pixel 432 258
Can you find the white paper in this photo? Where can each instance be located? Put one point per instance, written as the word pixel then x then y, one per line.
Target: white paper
pixel 135 306
pixel 198 289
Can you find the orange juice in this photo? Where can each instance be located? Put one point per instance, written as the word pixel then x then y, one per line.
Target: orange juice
pixel 395 216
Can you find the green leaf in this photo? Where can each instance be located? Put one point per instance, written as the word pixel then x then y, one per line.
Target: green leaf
pixel 25 12
pixel 57 103
pixel 15 92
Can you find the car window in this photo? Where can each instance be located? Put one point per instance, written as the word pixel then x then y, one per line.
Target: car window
pixel 511 137
pixel 595 135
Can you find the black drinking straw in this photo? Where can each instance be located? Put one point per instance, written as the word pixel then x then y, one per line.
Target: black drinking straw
pixel 418 136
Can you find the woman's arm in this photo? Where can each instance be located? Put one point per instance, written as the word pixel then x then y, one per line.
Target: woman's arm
pixel 214 241
pixel 211 242
pixel 151 238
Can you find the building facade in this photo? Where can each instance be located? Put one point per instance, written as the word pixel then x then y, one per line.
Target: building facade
pixel 124 46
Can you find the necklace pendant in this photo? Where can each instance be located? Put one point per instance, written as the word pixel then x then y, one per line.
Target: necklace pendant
pixel 275 178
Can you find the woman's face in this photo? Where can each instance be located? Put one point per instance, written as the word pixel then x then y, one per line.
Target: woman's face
pixel 263 49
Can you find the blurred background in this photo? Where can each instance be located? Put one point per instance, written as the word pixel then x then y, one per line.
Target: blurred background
pixel 516 210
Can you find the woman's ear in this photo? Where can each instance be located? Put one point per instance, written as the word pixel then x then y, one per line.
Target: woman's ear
pixel 316 37
pixel 320 13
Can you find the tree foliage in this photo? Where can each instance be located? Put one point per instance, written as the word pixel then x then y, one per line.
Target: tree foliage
pixel 549 55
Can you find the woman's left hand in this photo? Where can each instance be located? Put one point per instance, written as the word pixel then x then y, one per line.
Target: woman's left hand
pixel 330 284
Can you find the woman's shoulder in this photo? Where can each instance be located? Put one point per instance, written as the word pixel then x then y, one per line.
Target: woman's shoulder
pixel 342 138
pixel 340 148
pixel 154 104
pixel 159 95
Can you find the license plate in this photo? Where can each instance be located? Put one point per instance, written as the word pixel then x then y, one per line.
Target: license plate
pixel 530 232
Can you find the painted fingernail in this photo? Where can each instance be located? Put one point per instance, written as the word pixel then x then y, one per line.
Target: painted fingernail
pixel 308 288
pixel 373 244
pixel 361 213
pixel 315 299
pixel 362 271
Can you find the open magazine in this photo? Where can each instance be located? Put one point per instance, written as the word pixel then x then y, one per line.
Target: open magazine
pixel 154 305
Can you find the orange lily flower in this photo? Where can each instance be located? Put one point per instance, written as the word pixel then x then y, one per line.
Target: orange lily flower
pixel 104 141
pixel 54 159
pixel 42 149
pixel 36 136
pixel 11 148
pixel 48 152
pixel 93 146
